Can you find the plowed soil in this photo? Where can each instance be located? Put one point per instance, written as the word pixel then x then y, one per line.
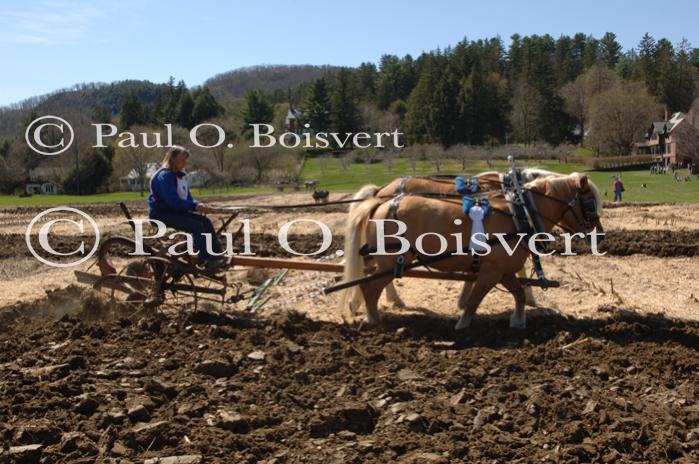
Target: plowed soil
pixel 95 386
pixel 83 379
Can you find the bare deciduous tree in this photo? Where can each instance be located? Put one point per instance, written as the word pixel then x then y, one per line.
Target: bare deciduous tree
pixel 687 136
pixel 435 155
pixel 578 93
pixel 526 109
pixel 619 117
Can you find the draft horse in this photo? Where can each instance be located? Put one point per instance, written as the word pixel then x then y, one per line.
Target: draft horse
pixel 487 181
pixel 560 200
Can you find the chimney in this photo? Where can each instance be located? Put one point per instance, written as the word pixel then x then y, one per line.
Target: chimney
pixel 666 114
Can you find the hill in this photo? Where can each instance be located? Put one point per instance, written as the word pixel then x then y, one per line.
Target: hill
pixel 226 87
pixel 268 78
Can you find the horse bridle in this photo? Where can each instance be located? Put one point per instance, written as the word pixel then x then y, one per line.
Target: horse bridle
pixel 587 205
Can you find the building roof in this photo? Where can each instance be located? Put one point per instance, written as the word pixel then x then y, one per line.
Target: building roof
pixel 46 173
pixel 661 126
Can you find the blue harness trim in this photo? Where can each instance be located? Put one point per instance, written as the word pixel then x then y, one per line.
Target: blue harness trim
pixel 468 187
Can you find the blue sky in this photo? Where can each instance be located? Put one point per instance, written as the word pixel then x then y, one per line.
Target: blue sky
pixel 51 44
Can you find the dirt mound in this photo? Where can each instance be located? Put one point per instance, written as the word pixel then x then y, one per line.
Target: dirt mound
pixel 74 300
pixel 232 388
pixel 660 243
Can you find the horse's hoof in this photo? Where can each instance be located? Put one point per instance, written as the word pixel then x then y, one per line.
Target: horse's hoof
pixel 518 323
pixel 398 304
pixel 462 323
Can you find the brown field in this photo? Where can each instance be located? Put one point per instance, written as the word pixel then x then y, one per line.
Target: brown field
pixel 606 370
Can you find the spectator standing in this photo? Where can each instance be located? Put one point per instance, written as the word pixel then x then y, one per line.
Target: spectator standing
pixel 618 188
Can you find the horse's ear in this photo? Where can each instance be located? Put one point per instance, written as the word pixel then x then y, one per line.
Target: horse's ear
pixel 582 181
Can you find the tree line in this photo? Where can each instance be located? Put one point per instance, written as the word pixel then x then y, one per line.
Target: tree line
pixel 482 92
pixel 536 89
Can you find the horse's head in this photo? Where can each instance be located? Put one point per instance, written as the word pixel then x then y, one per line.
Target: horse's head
pixel 577 201
pixel 584 205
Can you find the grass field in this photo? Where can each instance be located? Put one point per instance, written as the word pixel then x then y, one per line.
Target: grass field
pixel 659 188
pixel 333 177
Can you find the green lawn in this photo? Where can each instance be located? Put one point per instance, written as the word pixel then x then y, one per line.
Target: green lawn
pixel 333 177
pixel 659 188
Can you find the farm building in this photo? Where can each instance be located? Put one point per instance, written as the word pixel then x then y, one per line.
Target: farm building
pixel 291 122
pixel 44 180
pixel 674 140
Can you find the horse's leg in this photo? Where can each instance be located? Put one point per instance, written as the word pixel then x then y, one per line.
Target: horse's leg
pixel 372 291
pixel 463 297
pixel 485 282
pixel 528 289
pixel 518 319
pixel 392 296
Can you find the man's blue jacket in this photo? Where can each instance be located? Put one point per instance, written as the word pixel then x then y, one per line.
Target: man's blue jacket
pixel 169 193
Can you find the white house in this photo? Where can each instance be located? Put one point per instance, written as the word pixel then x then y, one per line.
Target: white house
pixel 44 180
pixel 291 122
pixel 132 181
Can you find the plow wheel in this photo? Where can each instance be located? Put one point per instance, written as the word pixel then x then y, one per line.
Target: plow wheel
pixel 155 281
pixel 134 280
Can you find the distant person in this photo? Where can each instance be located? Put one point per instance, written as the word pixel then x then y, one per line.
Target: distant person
pixel 618 188
pixel 171 202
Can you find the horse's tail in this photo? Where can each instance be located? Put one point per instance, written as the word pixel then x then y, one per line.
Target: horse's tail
pixel 355 235
pixel 364 193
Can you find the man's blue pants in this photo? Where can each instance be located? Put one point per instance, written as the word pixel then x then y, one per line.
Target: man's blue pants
pixel 195 224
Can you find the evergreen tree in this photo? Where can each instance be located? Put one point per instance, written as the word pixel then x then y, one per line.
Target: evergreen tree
pixel 677 78
pixel 205 106
pixel 610 50
pixel 344 113
pixel 646 62
pixel 94 170
pixel 316 108
pixel 131 110
pixel 419 121
pixel 170 99
pixel 101 115
pixel 257 110
pixel 184 110
pixel 367 76
pixel 445 108
pixel 389 81
pixel 483 108
pixel 591 54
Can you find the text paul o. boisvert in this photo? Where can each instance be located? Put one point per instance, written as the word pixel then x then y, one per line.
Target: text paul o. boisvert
pixel 263 136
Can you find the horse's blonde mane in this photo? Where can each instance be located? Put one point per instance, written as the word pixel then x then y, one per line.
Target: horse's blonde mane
pixel 531 174
pixel 560 181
